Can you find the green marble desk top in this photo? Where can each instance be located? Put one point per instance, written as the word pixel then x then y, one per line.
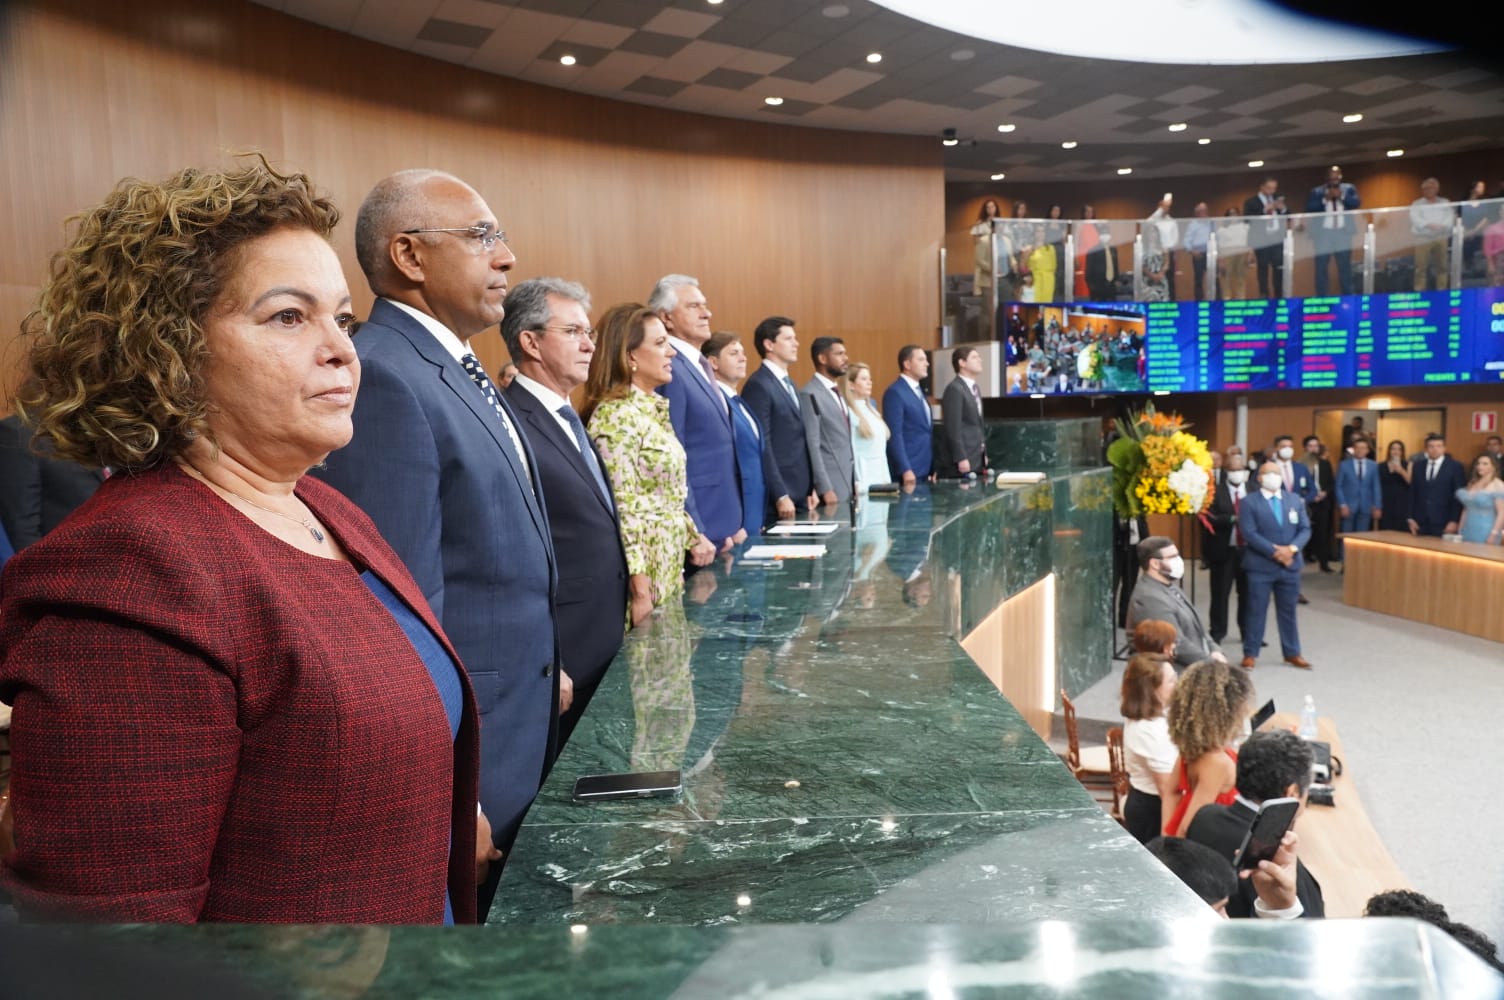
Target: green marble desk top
pixel 843 758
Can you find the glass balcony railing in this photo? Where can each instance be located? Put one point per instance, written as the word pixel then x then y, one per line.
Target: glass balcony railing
pixel 1416 247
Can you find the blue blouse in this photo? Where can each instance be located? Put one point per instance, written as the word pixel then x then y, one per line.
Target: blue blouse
pixel 440 667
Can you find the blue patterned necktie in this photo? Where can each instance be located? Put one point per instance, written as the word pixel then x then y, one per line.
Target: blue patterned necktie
pixel 478 375
pixel 586 452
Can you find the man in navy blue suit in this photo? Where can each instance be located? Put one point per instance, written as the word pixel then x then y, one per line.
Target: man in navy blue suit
pixel 906 409
pixel 547 332
pixel 438 462
pixel 1275 527
pixel 728 358
pixel 774 400
pixel 1435 478
pixel 1360 500
pixel 700 413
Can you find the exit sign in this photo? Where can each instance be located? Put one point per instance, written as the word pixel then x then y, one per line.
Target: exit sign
pixel 1485 422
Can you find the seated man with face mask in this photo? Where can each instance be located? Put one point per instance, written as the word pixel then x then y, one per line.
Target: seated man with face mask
pixel 1158 595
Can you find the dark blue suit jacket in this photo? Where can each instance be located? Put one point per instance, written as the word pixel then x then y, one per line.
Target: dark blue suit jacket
pixel 592 595
pixel 1355 494
pixel 429 466
pixel 779 414
pixel 703 426
pixel 1434 504
pixel 1261 532
pixel 755 462
pixel 911 444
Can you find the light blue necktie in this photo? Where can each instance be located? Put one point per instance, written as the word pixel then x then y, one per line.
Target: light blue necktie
pixel 788 384
pixel 586 452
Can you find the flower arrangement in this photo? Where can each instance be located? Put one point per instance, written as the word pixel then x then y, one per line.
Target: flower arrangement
pixel 1090 364
pixel 1158 467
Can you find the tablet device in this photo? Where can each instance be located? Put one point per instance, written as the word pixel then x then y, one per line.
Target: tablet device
pixel 633 785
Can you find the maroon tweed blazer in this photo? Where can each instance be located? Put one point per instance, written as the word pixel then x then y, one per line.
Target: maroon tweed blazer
pixel 212 725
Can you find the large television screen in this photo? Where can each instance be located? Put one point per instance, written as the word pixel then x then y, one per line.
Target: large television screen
pixel 1075 347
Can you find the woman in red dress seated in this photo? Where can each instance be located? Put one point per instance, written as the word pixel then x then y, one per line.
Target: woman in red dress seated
pixel 1208 711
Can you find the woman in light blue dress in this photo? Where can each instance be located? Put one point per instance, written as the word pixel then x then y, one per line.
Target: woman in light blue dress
pixel 1483 503
pixel 869 435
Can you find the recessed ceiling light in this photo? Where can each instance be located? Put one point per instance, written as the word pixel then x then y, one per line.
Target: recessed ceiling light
pixel 998 177
pixel 567 60
pixel 948 137
pixel 1124 171
pixel 1006 128
pixel 952 141
pixel 715 3
pixel 836 10
pixel 874 57
pixel 1203 141
pixel 1070 144
pixel 1395 152
pixel 774 101
pixel 1255 163
pixel 1178 127
pixel 961 55
pixel 1351 119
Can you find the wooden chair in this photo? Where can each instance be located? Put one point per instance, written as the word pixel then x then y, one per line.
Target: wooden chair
pixel 1090 765
pixel 1119 772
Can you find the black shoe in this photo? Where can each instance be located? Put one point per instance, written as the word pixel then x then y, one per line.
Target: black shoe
pixel 1327 569
pixel 1303 599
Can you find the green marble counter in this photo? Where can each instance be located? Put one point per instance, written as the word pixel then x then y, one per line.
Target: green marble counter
pixel 844 759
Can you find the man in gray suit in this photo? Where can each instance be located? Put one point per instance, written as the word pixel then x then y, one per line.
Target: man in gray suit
pixel 1158 596
pixel 827 423
pixel 961 417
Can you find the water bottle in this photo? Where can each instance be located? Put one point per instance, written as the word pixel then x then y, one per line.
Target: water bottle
pixel 1308 719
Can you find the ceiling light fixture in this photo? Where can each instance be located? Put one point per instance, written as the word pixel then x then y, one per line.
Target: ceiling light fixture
pixel 1178 127
pixel 567 60
pixel 948 137
pixel 836 10
pixel 1203 141
pixel 961 55
pixel 1006 128
pixel 1351 119
pixel 1068 144
pixel 1255 163
pixel 1124 171
pixel 998 177
pixel 874 57
pixel 1395 152
pixel 772 101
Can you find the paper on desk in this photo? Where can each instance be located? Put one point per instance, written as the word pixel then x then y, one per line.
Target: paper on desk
pixel 804 528
pixel 784 552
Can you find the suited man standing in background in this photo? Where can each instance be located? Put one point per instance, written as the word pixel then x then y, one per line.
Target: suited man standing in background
pixel 1319 503
pixel 1266 235
pixel 440 465
pixel 961 414
pixel 906 410
pixel 1360 499
pixel 1221 546
pixel 1435 478
pixel 728 358
pixel 700 413
pixel 36 490
pixel 1275 529
pixel 547 332
pixel 773 399
pixel 827 423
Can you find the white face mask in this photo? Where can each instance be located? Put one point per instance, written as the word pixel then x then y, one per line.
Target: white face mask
pixel 1272 481
pixel 1286 453
pixel 1238 477
pixel 1174 568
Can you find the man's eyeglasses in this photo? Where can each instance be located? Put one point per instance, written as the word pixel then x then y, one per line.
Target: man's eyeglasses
pixel 484 235
pixel 574 333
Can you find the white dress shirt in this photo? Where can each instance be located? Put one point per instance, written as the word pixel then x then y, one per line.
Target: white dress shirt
pixel 551 401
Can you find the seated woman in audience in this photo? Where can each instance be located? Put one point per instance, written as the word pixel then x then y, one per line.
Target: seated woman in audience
pixel 1207 713
pixel 869 433
pixel 1154 636
pixel 1148 752
pixel 1394 489
pixel 1482 503
pixel 231 701
pixel 630 425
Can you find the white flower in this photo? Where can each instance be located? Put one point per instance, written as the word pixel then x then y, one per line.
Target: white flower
pixel 1190 482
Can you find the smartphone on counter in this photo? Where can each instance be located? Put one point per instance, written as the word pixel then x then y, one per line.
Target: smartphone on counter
pixel 635 785
pixel 1275 817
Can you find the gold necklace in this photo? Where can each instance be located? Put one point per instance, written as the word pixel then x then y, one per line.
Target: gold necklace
pixel 313 529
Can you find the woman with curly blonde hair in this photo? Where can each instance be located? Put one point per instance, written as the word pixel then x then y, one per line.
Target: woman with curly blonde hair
pixel 231 701
pixel 1207 713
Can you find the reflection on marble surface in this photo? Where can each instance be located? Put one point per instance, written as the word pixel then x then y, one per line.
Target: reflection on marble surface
pixel 1130 959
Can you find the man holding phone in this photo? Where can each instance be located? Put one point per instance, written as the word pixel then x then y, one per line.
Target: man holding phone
pixel 1271 765
pixel 1266 235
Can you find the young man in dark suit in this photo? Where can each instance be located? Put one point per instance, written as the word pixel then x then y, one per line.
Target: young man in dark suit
pixel 774 400
pixel 1435 478
pixel 547 332
pixel 1319 503
pixel 1222 548
pixel 1275 528
pixel 1266 235
pixel 906 410
pixel 961 414
pixel 440 465
pixel 1272 764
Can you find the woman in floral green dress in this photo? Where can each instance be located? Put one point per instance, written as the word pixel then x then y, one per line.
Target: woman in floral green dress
pixel 631 428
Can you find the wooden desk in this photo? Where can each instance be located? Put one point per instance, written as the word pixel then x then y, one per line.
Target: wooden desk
pixel 1338 843
pixel 1452 585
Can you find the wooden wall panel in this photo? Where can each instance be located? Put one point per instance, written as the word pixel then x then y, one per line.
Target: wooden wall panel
pixel 838 230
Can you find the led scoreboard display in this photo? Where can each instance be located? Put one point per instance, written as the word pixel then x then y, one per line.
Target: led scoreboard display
pixel 1346 342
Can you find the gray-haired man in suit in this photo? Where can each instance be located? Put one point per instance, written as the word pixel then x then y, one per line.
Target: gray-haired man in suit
pixel 827 422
